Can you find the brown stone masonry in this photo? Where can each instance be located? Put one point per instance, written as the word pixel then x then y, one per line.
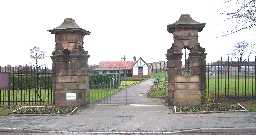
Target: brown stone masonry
pixel 70 67
pixel 185 90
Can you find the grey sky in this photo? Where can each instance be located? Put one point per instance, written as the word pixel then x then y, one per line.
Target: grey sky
pixel 118 27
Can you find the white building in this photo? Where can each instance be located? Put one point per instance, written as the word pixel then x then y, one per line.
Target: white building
pixel 140 68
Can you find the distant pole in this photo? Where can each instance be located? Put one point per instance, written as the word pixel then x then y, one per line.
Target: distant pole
pixel 124 58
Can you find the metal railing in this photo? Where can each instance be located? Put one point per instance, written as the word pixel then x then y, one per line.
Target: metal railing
pixel 231 79
pixel 25 85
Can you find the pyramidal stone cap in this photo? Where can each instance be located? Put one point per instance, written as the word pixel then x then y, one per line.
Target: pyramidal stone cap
pixel 185 22
pixel 69 25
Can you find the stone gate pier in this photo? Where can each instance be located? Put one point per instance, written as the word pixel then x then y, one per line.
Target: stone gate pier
pixel 186 89
pixel 70 65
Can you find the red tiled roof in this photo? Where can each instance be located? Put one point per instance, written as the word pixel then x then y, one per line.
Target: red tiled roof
pixel 115 65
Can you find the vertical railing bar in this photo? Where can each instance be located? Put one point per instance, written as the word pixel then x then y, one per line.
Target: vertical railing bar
pixel 110 89
pixel 255 76
pixel 17 85
pixel 13 83
pixel 225 78
pixel 21 86
pixel 218 81
pixel 30 84
pixel 46 89
pixel 221 72
pixel 9 102
pixel 2 97
pixel 215 81
pixel 251 66
pixel 245 78
pixel 236 70
pixel 238 83
pixel 248 77
pixel 26 84
pixel 9 91
pixel 208 79
pixel 52 75
pixel 39 85
pixel 17 91
pixel 34 85
pixel 43 87
pixel 18 97
pixel 228 74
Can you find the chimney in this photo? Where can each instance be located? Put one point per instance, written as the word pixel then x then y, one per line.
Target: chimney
pixel 134 58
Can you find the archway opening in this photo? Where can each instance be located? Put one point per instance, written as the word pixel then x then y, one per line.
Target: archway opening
pixel 185 61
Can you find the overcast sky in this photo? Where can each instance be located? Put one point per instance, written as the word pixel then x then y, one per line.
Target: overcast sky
pixel 118 27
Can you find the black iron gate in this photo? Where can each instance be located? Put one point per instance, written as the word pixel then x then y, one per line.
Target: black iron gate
pixel 25 85
pixel 107 89
pixel 112 88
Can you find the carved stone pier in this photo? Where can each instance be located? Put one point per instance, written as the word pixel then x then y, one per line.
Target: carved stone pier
pixel 70 67
pixel 186 89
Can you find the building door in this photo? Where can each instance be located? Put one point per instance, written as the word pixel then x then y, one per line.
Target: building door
pixel 140 71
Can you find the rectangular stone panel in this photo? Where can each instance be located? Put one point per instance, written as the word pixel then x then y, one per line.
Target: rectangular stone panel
pixel 80 79
pixel 187 79
pixel 187 86
pixel 187 98
pixel 70 86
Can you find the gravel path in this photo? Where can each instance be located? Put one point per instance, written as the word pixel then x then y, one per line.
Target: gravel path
pixel 141 114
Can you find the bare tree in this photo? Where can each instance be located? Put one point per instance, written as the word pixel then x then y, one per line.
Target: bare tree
pixel 241 13
pixel 243 49
pixel 37 54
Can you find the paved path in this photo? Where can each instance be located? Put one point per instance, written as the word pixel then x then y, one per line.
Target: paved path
pixel 134 95
pixel 149 117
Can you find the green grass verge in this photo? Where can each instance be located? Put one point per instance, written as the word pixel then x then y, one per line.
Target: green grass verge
pixel 29 95
pixel 159 88
pixel 99 94
pixel 4 111
pixel 232 87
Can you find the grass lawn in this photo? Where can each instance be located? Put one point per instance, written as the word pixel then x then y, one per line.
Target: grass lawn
pixel 29 95
pixel 159 88
pixel 232 87
pixel 99 94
